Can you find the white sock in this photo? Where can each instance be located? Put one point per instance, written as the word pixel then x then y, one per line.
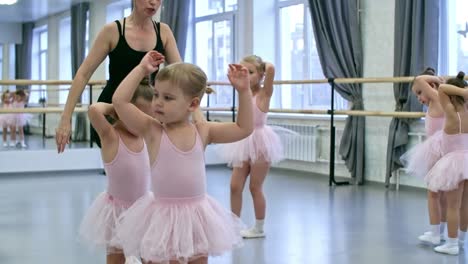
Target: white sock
pixel 461 235
pixel 259 224
pixel 443 226
pixel 435 229
pixel 452 241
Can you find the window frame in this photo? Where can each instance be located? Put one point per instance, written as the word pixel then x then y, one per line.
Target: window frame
pixel 41 90
pixel 1 63
pixel 304 91
pixel 231 16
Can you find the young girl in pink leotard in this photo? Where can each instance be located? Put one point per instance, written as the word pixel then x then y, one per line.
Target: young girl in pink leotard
pixel 181 222
pixel 420 159
pixel 450 173
pixel 126 163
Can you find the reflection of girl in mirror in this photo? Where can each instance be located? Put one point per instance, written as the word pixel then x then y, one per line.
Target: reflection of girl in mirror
pixel 18 120
pixel 5 119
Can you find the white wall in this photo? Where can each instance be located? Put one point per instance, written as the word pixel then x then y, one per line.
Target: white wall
pixel 377 25
pixel 11 33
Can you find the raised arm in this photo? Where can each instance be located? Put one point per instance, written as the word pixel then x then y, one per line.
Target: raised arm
pixel 429 84
pixel 449 89
pixel 229 132
pixel 97 53
pixel 269 78
pixel 97 116
pixel 170 46
pixel 138 122
pixel 445 90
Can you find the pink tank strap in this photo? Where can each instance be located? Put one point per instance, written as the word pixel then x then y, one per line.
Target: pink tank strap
pixel 123 146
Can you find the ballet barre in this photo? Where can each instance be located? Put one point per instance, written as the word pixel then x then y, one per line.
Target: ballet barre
pixel 331 112
pixel 406 79
pixel 44 110
pixel 45 82
pixel 325 112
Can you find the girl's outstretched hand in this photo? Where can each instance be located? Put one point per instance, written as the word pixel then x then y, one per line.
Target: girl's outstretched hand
pixel 238 75
pixel 151 61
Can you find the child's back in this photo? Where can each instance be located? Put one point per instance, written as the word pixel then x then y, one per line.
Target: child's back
pixel 127 165
pixel 452 168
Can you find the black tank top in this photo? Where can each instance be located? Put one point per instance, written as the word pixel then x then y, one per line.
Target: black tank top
pixel 122 60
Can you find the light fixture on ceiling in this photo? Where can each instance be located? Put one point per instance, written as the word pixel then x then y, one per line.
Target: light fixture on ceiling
pixel 8 2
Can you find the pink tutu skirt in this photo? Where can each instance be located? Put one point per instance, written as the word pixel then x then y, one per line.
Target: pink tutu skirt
pixel 420 159
pixel 448 172
pixel 6 120
pixel 264 144
pixel 164 229
pixel 20 119
pixel 98 227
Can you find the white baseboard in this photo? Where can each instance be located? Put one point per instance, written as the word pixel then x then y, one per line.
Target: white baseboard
pixel 17 161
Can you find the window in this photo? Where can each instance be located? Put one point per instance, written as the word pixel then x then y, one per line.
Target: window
pixel 1 65
pixel 65 63
pixel 213 48
pixel 65 72
pixel 127 11
pixel 11 66
pixel 298 60
pixel 39 63
pixel 85 95
pixel 118 9
pixel 454 37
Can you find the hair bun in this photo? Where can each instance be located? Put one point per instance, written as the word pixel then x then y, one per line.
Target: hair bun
pixel 428 71
pixel 209 90
pixel 145 81
pixel 458 81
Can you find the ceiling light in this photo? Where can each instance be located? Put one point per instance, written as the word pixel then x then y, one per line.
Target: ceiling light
pixel 8 2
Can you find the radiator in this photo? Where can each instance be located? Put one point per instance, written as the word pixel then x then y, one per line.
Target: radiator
pixel 302 147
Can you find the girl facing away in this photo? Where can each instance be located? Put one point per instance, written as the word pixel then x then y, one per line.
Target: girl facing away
pixel 126 163
pixel 450 173
pixel 6 119
pixel 19 120
pixel 181 223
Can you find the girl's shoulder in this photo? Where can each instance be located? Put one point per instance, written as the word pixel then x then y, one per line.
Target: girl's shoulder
pixel 203 129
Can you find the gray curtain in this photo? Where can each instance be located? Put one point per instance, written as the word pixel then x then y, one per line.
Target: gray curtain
pixel 23 55
pixel 175 13
pixel 78 48
pixel 338 39
pixel 416 47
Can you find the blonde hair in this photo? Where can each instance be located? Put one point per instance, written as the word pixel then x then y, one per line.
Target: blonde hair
pixel 189 77
pixel 5 94
pixel 257 62
pixel 259 65
pixel 144 90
